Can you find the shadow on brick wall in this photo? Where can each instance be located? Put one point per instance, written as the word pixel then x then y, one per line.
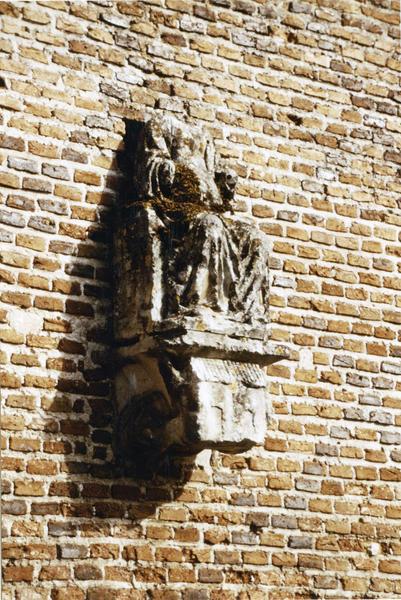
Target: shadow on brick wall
pixel 93 481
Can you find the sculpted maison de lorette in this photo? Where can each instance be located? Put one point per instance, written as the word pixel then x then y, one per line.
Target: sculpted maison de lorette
pixel 191 309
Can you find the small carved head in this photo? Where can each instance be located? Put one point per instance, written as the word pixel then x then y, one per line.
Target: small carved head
pixel 166 176
pixel 226 182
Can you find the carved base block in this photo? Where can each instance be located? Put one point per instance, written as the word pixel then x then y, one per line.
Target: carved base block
pixel 183 390
pixel 231 405
pixel 221 404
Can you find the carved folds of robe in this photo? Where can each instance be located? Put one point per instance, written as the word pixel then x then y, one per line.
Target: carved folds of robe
pixel 212 261
pixel 192 287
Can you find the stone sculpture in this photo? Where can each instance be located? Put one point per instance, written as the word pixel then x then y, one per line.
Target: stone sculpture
pixel 191 308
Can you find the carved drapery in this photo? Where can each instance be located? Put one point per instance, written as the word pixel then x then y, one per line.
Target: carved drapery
pixel 191 302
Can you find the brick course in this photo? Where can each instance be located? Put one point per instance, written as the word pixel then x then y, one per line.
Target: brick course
pixel 303 100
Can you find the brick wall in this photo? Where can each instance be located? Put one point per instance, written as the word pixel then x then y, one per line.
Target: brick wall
pixel 303 100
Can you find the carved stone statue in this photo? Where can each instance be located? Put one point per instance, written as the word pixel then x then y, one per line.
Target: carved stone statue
pixel 192 301
pixel 214 262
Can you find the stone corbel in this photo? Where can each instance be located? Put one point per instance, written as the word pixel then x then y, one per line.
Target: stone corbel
pixel 191 305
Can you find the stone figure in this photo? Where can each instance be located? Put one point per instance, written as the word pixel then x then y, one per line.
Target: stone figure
pixel 191 307
pixel 215 262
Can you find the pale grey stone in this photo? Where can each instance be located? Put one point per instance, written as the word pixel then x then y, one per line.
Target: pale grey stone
pixel 44 224
pixel 393 368
pixel 370 398
pixel 267 10
pixel 171 104
pixel 384 139
pixel 244 537
pixel 126 40
pixel 161 50
pixel 325 45
pixel 354 414
pixel 326 174
pixel 191 309
pixel 335 159
pixel 59 207
pixel 114 91
pixel 286 215
pixel 95 121
pixel 381 383
pixel 284 282
pixel 329 341
pixel 23 164
pixel 326 582
pixel 313 468
pixel 242 39
pixel 371 121
pixel 147 66
pixel 257 26
pixel 12 218
pixel 326 449
pixel 59 528
pixel 56 171
pixel 295 502
pixel 225 479
pixel 6 236
pixel 312 186
pixel 300 542
pixel 115 19
pixel 340 433
pixel 284 522
pixel 390 437
pixel 316 27
pixel 315 323
pixel 300 7
pixel 342 360
pixel 127 76
pixel 358 380
pixel 307 485
pixel 267 44
pixel 349 147
pixel 381 417
pixel 72 551
pixel 188 23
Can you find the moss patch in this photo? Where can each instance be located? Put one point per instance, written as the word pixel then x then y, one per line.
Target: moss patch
pixel 185 201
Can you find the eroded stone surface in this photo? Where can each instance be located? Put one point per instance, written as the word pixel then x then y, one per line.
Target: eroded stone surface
pixel 192 301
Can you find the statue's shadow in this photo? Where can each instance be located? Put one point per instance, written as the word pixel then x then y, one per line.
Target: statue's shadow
pixel 107 489
pixel 139 496
pixel 101 485
pixel 190 313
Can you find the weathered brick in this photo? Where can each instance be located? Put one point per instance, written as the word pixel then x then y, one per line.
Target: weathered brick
pixel 55 171
pixel 15 573
pixel 302 100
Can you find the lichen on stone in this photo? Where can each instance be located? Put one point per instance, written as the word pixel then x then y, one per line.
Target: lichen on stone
pixel 186 199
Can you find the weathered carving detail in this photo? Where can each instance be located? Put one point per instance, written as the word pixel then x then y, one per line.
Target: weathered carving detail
pixel 223 266
pixel 191 302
